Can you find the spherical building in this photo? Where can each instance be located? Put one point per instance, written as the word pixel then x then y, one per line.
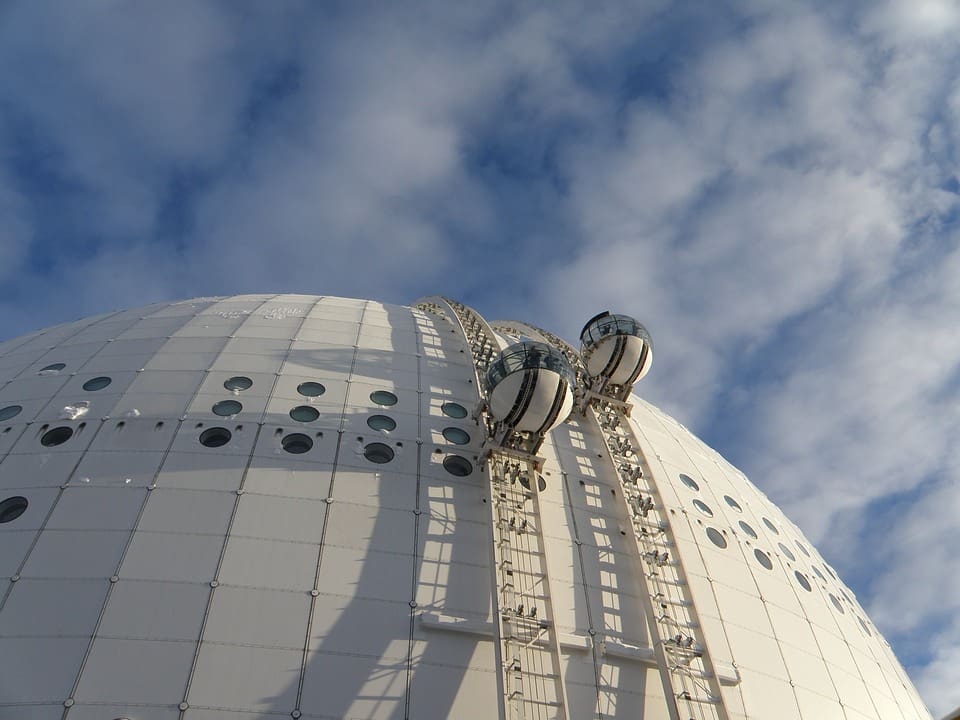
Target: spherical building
pixel 295 506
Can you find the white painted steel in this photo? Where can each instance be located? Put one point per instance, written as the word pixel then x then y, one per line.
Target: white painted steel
pixel 154 578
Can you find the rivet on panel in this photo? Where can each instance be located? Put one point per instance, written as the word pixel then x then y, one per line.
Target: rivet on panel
pixel 14 578
pixel 151 487
pixel 314 593
pixel 114 578
pixel 328 500
pixel 413 603
pixel 68 702
pixel 295 714
pixel 592 631
pixel 240 491
pixel 214 583
pixel 183 706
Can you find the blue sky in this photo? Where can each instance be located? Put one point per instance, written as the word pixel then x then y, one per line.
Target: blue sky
pixel 772 187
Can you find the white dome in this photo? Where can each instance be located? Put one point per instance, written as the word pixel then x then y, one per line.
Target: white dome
pixel 275 506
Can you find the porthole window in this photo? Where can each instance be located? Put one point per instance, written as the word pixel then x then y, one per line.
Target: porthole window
pixel 703 507
pixel 456 465
pixel 829 571
pixel 802 579
pixel 381 422
pixel 836 603
pixel 541 483
pixel 454 410
pixel 215 437
pixel 97 383
pixel 238 383
pixel 10 411
pixel 296 443
pixel 786 551
pixel 763 558
pixel 12 508
pixel 803 548
pixel 57 436
pixel 304 413
pixel 773 528
pixel 689 482
pixel 52 369
pixel 379 453
pixel 864 626
pixel 716 537
pixel 819 574
pixel 226 408
pixel 733 503
pixel 311 389
pixel 456 436
pixel 383 398
pixel 748 530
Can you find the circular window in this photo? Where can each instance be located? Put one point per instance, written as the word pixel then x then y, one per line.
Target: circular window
pixel 786 551
pixel 836 603
pixel 456 465
pixel 819 574
pixel 802 579
pixel 51 369
pixel 748 530
pixel 827 568
pixel 296 443
pixel 97 383
pixel 763 558
pixel 733 503
pixel 525 481
pixel 803 549
pixel 381 422
pixel 304 413
pixel 864 626
pixel 238 383
pixel 378 453
pixel 454 410
pixel 689 482
pixel 57 436
pixel 703 507
pixel 12 508
pixel 716 537
pixel 227 407
pixel 10 411
pixel 384 398
pixel 311 389
pixel 773 528
pixel 456 436
pixel 215 437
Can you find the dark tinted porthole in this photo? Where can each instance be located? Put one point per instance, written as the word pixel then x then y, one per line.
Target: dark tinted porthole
pixel 12 508
pixel 748 530
pixel 703 507
pixel 304 413
pixel 763 558
pixel 818 573
pixel 456 436
pixel 381 422
pixel 716 537
pixel 378 453
pixel 830 572
pixel 864 626
pixel 541 483
pixel 689 482
pixel 773 528
pixel 55 368
pixel 57 436
pixel 97 383
pixel 238 382
pixel 454 410
pixel 803 548
pixel 383 397
pixel 802 579
pixel 296 443
pixel 456 465
pixel 836 603
pixel 226 408
pixel 786 551
pixel 733 503
pixel 311 389
pixel 215 437
pixel 10 411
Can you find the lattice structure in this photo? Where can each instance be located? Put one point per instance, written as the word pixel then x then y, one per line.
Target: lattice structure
pixel 533 685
